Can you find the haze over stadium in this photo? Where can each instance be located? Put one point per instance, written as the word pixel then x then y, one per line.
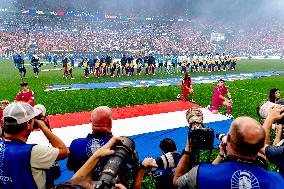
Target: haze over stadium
pixel 167 74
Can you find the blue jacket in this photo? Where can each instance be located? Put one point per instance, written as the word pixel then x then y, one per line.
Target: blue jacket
pixel 15 168
pixel 81 150
pixel 237 175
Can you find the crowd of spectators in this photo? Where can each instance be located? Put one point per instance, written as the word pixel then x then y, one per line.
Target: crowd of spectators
pixel 44 34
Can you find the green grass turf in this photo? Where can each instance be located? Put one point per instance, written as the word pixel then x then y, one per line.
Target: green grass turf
pixel 84 100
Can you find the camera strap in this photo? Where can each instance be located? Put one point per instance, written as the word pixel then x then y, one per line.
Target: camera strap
pixel 68 185
pixel 258 161
pixel 168 164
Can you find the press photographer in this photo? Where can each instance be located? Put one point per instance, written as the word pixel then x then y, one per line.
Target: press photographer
pixel 244 140
pixel 32 160
pixel 162 168
pixel 119 150
pixel 82 149
pixel 259 161
pixel 275 154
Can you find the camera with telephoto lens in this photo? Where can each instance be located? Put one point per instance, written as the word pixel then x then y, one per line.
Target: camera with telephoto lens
pixel 168 160
pixel 200 136
pixel 124 154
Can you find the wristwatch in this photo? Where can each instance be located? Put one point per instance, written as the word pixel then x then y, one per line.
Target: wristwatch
pixel 184 152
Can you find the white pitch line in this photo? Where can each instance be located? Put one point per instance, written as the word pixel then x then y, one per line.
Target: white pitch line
pixel 256 93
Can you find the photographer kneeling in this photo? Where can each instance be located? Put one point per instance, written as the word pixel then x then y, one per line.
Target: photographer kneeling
pixel 275 153
pixel 163 167
pixel 244 140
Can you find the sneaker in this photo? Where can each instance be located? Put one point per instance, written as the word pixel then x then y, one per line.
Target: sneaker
pixel 192 100
pixel 209 108
pixel 179 96
pixel 72 78
pixel 229 116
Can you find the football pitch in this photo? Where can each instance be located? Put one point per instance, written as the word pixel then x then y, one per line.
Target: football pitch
pixel 246 94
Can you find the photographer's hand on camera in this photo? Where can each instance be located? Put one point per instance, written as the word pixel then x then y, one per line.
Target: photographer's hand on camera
pixel 40 124
pixel 149 163
pixel 278 134
pixel 275 113
pixel 221 154
pixel 120 186
pixel 273 153
pixel 55 141
pixel 106 150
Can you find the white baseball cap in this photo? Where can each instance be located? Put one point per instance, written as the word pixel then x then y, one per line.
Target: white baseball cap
pixel 41 108
pixel 21 112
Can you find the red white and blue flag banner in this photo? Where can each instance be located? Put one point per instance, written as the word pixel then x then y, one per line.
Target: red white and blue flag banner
pixel 147 125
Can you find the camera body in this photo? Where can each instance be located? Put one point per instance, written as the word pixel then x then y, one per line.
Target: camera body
pixel 42 118
pixel 124 154
pixel 201 137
